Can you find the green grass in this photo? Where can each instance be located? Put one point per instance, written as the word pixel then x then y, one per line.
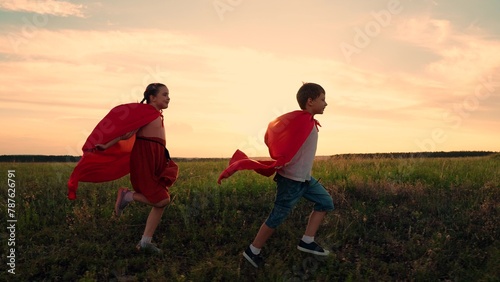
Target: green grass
pixel 395 219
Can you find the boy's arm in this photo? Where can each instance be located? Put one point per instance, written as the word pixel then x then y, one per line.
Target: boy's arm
pixel 102 147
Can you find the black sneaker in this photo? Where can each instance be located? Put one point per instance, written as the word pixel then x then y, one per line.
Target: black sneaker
pixel 255 260
pixel 312 248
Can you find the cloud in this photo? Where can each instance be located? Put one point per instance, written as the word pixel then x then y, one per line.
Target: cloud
pixel 46 7
pixel 70 78
pixel 464 55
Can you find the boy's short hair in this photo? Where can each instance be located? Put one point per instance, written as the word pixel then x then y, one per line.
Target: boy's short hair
pixel 308 90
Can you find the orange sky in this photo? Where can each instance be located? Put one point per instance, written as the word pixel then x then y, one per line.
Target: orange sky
pixel 400 76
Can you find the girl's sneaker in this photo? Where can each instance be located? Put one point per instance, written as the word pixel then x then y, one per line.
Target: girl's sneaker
pixel 120 203
pixel 148 248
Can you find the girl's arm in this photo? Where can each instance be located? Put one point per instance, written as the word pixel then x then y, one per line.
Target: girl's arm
pixel 102 147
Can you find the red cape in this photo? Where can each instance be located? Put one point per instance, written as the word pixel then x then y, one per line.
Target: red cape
pixel 114 162
pixel 284 137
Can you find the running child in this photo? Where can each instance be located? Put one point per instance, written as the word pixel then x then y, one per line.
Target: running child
pixel 134 142
pixel 292 140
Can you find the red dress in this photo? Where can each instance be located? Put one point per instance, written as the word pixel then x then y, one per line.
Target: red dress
pixel 151 169
pixel 114 162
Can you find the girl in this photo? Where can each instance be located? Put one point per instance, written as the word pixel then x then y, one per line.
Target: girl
pixel 151 169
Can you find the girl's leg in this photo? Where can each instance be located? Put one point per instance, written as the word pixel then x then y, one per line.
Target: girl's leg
pixel 153 221
pixel 155 214
pixel 138 197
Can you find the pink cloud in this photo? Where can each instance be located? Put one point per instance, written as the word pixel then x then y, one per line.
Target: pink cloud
pixel 48 7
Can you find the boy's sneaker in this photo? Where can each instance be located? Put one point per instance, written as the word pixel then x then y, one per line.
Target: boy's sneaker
pixel 312 248
pixel 120 203
pixel 255 260
pixel 148 248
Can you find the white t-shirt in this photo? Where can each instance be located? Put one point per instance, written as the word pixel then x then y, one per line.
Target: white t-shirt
pixel 299 168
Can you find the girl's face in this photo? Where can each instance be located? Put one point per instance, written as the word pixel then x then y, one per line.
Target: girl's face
pixel 161 100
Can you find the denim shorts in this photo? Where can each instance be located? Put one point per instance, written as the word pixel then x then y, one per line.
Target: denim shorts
pixel 289 193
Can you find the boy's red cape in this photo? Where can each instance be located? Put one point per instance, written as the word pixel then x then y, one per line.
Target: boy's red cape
pixel 114 162
pixel 284 137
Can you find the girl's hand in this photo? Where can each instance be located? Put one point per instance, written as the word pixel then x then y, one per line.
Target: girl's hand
pixel 100 147
pixel 128 135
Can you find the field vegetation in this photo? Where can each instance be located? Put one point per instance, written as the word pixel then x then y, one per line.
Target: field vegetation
pixel 396 219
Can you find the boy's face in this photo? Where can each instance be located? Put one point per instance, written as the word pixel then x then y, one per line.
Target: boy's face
pixel 317 106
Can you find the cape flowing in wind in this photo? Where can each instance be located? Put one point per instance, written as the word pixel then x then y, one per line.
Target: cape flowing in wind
pixel 284 137
pixel 114 162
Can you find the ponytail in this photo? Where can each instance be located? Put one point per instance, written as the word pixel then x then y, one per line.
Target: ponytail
pixel 151 89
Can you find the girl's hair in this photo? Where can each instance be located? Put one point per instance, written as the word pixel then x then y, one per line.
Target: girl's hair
pixel 152 89
pixel 308 90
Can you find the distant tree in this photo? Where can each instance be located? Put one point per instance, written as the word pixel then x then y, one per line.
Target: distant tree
pixel 38 158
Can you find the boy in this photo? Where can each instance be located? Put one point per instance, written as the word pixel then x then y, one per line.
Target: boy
pixel 292 141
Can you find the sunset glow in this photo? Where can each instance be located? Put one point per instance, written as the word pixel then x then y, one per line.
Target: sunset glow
pixel 400 76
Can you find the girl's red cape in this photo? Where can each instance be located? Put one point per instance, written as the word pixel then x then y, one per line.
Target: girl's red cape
pixel 114 162
pixel 284 137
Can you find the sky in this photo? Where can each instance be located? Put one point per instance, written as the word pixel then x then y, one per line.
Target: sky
pixel 399 76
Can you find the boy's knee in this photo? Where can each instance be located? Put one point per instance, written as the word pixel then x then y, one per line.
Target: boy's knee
pixel 325 206
pixel 330 207
pixel 277 216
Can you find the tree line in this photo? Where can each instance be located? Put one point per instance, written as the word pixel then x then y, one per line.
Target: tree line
pixel 441 154
pixel 452 154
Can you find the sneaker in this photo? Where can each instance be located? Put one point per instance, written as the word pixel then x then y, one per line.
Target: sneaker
pixel 148 248
pixel 120 203
pixel 255 260
pixel 312 248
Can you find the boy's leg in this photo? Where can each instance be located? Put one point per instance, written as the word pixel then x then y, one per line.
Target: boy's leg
pixel 314 222
pixel 323 202
pixel 252 253
pixel 262 236
pixel 288 194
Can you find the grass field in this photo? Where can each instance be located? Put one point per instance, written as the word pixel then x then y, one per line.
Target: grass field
pixel 420 219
